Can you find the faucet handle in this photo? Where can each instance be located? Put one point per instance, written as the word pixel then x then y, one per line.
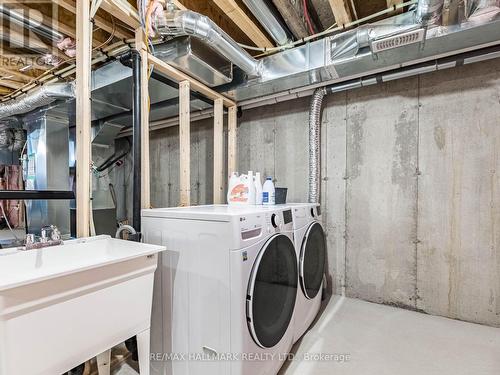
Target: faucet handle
pixel 29 241
pixel 43 234
pixel 56 234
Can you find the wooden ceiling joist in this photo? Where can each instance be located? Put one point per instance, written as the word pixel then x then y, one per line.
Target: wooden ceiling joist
pixel 244 22
pixel 178 4
pixel 391 3
pixel 171 72
pixel 341 11
pixel 10 84
pixel 99 21
pixel 15 73
pixel 123 10
pixel 292 13
pixel 59 26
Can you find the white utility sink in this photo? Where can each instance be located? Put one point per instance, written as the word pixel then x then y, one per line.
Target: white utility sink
pixel 62 305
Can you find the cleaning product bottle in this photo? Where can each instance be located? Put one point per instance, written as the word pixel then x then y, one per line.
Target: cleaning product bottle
pixel 258 189
pixel 268 192
pixel 233 181
pixel 251 188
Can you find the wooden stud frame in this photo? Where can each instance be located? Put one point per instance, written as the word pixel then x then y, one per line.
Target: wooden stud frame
pixel 218 151
pixel 186 84
pixel 140 45
pixel 231 139
pixel 83 125
pixel 185 142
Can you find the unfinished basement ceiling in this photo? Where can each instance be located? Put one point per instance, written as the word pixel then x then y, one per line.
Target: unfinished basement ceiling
pixel 18 74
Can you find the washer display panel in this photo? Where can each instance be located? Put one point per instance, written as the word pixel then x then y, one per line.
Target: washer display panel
pixel 272 291
pixel 312 260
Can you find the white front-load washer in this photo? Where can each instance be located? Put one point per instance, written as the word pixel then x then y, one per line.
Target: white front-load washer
pixel 310 245
pixel 225 289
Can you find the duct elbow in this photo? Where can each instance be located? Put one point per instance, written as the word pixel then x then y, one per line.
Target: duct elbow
pixel 429 11
pixel 189 23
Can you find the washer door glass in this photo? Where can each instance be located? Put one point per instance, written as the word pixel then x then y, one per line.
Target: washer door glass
pixel 272 291
pixel 312 260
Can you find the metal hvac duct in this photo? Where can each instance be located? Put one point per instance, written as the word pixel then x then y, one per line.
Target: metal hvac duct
pixel 40 97
pixel 315 144
pixel 429 11
pixel 186 22
pixel 18 18
pixel 272 25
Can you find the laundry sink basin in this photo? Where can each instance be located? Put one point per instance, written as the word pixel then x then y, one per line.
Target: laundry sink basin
pixel 62 305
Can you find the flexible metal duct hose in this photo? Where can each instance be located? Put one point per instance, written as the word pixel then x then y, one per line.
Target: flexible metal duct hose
pixel 186 22
pixel 429 11
pixel 315 145
pixel 38 98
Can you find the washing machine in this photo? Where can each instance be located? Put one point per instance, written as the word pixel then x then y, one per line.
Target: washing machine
pixel 225 289
pixel 310 246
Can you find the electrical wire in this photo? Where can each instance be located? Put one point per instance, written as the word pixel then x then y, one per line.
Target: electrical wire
pixel 306 16
pixel 47 72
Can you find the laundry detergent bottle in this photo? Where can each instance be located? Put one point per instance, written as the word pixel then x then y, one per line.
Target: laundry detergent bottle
pixel 233 181
pixel 241 190
pixel 268 192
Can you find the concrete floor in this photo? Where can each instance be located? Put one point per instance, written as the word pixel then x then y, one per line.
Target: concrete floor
pixel 386 340
pixel 378 339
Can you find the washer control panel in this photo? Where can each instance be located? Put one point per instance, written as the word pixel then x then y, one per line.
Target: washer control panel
pixel 251 226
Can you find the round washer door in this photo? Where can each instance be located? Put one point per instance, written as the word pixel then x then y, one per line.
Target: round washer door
pixel 272 291
pixel 312 260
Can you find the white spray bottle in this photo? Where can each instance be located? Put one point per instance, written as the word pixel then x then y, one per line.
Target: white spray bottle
pixel 258 189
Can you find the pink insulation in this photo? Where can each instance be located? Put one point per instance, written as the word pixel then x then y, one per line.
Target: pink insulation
pixel 10 179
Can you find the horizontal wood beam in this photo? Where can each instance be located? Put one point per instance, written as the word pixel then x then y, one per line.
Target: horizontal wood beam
pixel 244 22
pixel 123 11
pixel 16 73
pixel 171 72
pixel 293 13
pixel 99 21
pixel 178 4
pixel 59 26
pixel 391 3
pixel 341 11
pixel 10 84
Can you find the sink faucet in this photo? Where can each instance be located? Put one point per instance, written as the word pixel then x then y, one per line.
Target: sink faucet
pixel 50 236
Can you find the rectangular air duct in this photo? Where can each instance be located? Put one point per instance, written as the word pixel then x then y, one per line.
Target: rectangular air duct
pixel 196 59
pixel 396 41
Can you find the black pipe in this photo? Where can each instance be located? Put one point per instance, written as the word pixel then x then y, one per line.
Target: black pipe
pixel 114 158
pixel 136 141
pixel 36 194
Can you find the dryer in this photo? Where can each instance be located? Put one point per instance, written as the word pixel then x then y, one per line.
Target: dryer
pixel 225 289
pixel 310 246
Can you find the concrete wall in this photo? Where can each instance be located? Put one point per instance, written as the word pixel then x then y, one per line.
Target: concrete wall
pixel 410 189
